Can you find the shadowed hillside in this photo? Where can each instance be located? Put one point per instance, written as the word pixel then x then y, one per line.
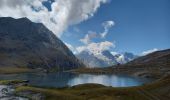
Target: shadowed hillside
pixel 27 44
pixel 155 59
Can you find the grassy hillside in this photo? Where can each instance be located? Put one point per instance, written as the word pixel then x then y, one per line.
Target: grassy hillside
pixel 16 70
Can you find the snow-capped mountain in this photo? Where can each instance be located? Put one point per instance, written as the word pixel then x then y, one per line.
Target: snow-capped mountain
pixel 90 60
pixel 104 58
pixel 123 58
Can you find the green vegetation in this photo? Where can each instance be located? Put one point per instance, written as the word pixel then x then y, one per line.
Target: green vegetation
pixel 159 90
pixel 6 82
pixel 15 70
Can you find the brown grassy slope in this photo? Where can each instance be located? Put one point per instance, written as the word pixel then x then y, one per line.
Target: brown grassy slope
pixel 16 70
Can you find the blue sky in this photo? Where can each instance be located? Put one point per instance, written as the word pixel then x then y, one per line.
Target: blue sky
pixel 96 25
pixel 140 25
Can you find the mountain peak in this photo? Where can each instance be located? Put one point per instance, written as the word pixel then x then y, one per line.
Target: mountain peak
pixel 104 58
pixel 28 44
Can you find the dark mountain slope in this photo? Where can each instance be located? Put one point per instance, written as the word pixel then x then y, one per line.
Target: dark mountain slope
pixel 27 44
pixel 158 58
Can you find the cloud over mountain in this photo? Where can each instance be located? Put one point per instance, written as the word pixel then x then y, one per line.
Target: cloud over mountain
pixel 96 47
pixel 63 13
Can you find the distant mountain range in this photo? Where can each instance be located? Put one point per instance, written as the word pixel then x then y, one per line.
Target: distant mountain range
pixel 104 58
pixel 27 44
pixel 153 65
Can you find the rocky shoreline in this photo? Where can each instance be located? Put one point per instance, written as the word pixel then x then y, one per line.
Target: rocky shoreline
pixel 8 91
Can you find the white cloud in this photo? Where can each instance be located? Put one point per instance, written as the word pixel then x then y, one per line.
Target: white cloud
pixel 96 47
pixel 100 46
pixel 107 25
pixel 81 48
pixel 91 34
pixel 63 14
pixel 88 37
pixel 149 51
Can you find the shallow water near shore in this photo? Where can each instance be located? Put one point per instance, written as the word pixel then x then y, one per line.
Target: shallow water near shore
pixel 62 79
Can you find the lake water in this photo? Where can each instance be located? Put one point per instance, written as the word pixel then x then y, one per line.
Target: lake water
pixel 69 79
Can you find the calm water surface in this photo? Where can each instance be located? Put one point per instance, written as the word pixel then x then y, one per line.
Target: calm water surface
pixel 69 79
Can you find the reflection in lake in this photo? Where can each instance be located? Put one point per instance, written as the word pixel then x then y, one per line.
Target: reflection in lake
pixel 108 80
pixel 69 79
